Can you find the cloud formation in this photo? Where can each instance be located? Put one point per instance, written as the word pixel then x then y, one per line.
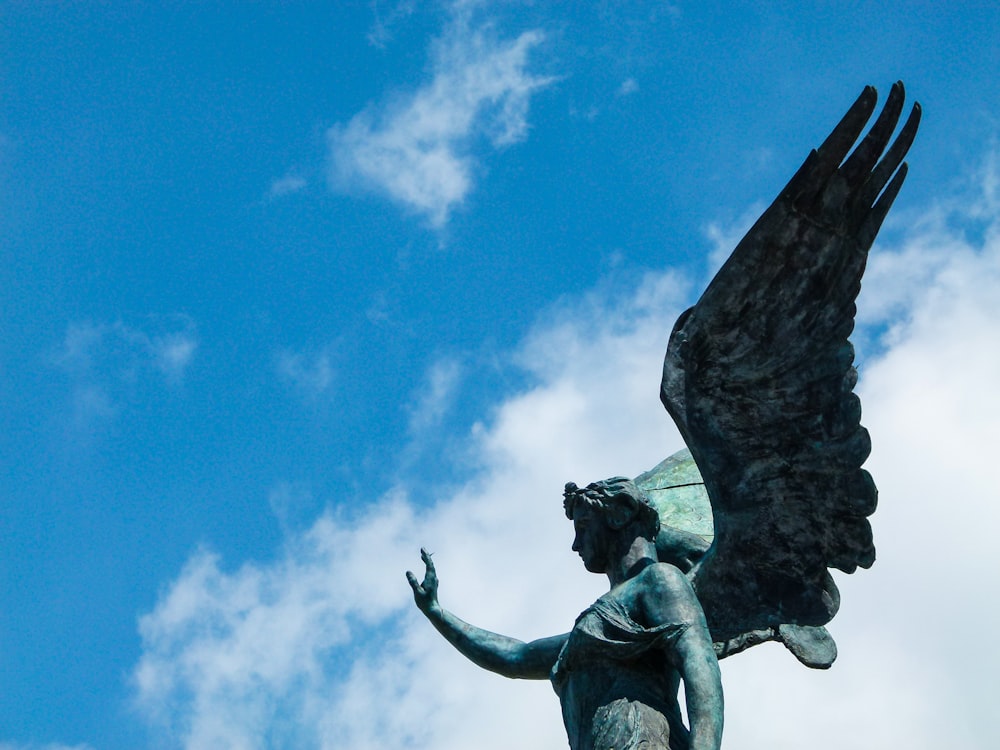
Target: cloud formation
pixel 435 396
pixel 385 20
pixel 321 647
pixel 123 350
pixel 290 183
pixel 419 148
pixel 106 362
pixel 211 674
pixel 310 373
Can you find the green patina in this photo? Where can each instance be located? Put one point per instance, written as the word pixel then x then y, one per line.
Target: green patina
pixel 678 492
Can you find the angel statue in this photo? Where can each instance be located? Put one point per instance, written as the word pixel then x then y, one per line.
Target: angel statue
pixel 728 545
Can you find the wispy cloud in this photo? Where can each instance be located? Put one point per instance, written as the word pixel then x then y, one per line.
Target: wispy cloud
pixel 106 361
pixel 435 396
pixel 172 353
pixel 386 18
pixel 628 86
pixel 291 502
pixel 419 149
pixel 123 350
pixel 312 373
pixel 290 183
pixel 310 648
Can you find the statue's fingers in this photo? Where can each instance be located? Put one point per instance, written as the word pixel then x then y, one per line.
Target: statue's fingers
pixel 413 581
pixel 426 557
pixel 430 579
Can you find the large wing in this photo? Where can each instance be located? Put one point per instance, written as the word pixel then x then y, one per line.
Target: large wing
pixel 759 377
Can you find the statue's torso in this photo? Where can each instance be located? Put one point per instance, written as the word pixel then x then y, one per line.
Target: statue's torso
pixel 617 683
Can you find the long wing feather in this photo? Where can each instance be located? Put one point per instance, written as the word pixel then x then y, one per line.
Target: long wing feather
pixel 759 378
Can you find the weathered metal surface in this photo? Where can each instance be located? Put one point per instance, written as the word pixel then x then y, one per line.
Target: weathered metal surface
pixel 678 493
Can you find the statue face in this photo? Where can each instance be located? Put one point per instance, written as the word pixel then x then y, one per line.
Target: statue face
pixel 593 538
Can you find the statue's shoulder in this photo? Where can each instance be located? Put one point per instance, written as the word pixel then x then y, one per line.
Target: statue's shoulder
pixel 664 573
pixel 663 585
pixel 661 581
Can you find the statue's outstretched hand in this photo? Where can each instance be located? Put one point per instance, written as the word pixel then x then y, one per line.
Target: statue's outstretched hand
pixel 425 594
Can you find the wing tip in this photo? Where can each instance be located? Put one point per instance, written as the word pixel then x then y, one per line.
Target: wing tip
pixel 811 645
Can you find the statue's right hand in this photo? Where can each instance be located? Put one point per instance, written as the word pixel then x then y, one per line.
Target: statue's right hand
pixel 425 593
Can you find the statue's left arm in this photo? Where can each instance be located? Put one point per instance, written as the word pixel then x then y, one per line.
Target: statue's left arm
pixel 668 597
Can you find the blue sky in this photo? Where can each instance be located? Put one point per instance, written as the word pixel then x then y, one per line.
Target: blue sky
pixel 293 289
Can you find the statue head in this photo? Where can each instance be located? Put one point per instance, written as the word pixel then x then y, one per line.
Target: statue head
pixel 607 515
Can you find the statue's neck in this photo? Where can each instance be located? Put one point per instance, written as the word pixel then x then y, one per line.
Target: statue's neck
pixel 640 553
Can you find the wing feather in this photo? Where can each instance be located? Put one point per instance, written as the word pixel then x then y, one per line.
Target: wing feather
pixel 759 377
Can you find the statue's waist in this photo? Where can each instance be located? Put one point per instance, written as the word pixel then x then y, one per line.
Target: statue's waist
pixel 620 716
pixel 602 684
pixel 608 700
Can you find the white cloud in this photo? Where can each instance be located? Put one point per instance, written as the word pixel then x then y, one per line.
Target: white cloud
pixel 290 502
pixel 322 646
pixel 79 343
pixel 384 22
pixel 435 396
pixel 172 353
pixel 628 86
pixel 942 242
pixel 290 183
pixel 418 149
pixel 107 361
pixel 120 350
pixel 311 373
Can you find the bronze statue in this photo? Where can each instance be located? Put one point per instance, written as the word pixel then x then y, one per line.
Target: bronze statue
pixel 759 378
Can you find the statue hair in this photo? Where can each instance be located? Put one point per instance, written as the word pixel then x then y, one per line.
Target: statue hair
pixel 619 500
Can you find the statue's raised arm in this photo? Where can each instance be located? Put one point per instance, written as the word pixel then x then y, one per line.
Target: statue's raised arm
pixel 498 653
